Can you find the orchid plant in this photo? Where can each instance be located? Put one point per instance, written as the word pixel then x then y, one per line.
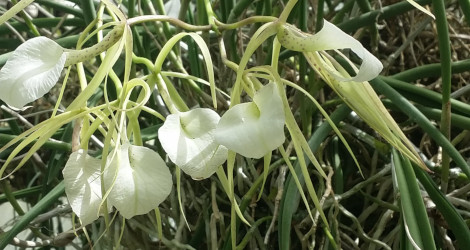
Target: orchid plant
pixel 134 179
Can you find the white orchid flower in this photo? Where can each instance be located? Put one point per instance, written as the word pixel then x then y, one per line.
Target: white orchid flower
pixel 138 178
pixel 83 185
pixel 330 37
pixel 355 91
pixel 188 139
pixel 36 65
pixel 256 128
pixel 31 71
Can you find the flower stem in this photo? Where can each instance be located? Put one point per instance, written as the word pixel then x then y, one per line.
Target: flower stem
pixel 76 56
pixel 28 21
pixel 287 10
pixel 445 58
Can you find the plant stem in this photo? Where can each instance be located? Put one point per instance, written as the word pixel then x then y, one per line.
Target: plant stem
pixel 446 71
pixel 386 12
pixel 28 21
pixel 287 10
pixel 430 70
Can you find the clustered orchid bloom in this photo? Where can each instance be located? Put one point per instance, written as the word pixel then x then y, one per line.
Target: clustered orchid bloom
pixel 197 140
pixel 138 180
pixel 135 179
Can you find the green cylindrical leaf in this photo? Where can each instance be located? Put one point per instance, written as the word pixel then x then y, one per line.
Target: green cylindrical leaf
pixel 412 206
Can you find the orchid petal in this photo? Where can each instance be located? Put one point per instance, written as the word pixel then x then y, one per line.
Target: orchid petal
pixel 139 180
pixel 172 8
pixel 83 185
pixel 256 128
pixel 189 142
pixel 331 37
pixel 32 70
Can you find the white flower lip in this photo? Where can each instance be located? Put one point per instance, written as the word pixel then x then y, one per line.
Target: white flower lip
pixel 32 70
pixel 188 140
pixel 143 180
pixel 256 128
pixel 83 185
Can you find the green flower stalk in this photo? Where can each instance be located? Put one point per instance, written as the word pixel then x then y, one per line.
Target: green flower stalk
pixel 76 56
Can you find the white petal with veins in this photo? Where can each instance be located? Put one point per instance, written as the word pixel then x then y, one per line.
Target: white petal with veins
pixel 138 178
pixel 256 128
pixel 83 185
pixel 31 71
pixel 188 140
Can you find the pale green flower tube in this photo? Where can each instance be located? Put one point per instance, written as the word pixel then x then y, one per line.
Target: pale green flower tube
pixel 330 37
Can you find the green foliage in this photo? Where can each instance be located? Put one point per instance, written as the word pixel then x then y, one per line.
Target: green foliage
pixel 351 171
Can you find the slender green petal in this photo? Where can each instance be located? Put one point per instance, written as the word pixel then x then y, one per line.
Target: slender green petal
pixel 32 70
pixel 256 128
pixel 365 102
pixel 83 185
pixel 331 37
pixel 188 139
pixel 139 180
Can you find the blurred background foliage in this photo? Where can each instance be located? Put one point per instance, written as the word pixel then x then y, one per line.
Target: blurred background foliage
pixel 393 205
